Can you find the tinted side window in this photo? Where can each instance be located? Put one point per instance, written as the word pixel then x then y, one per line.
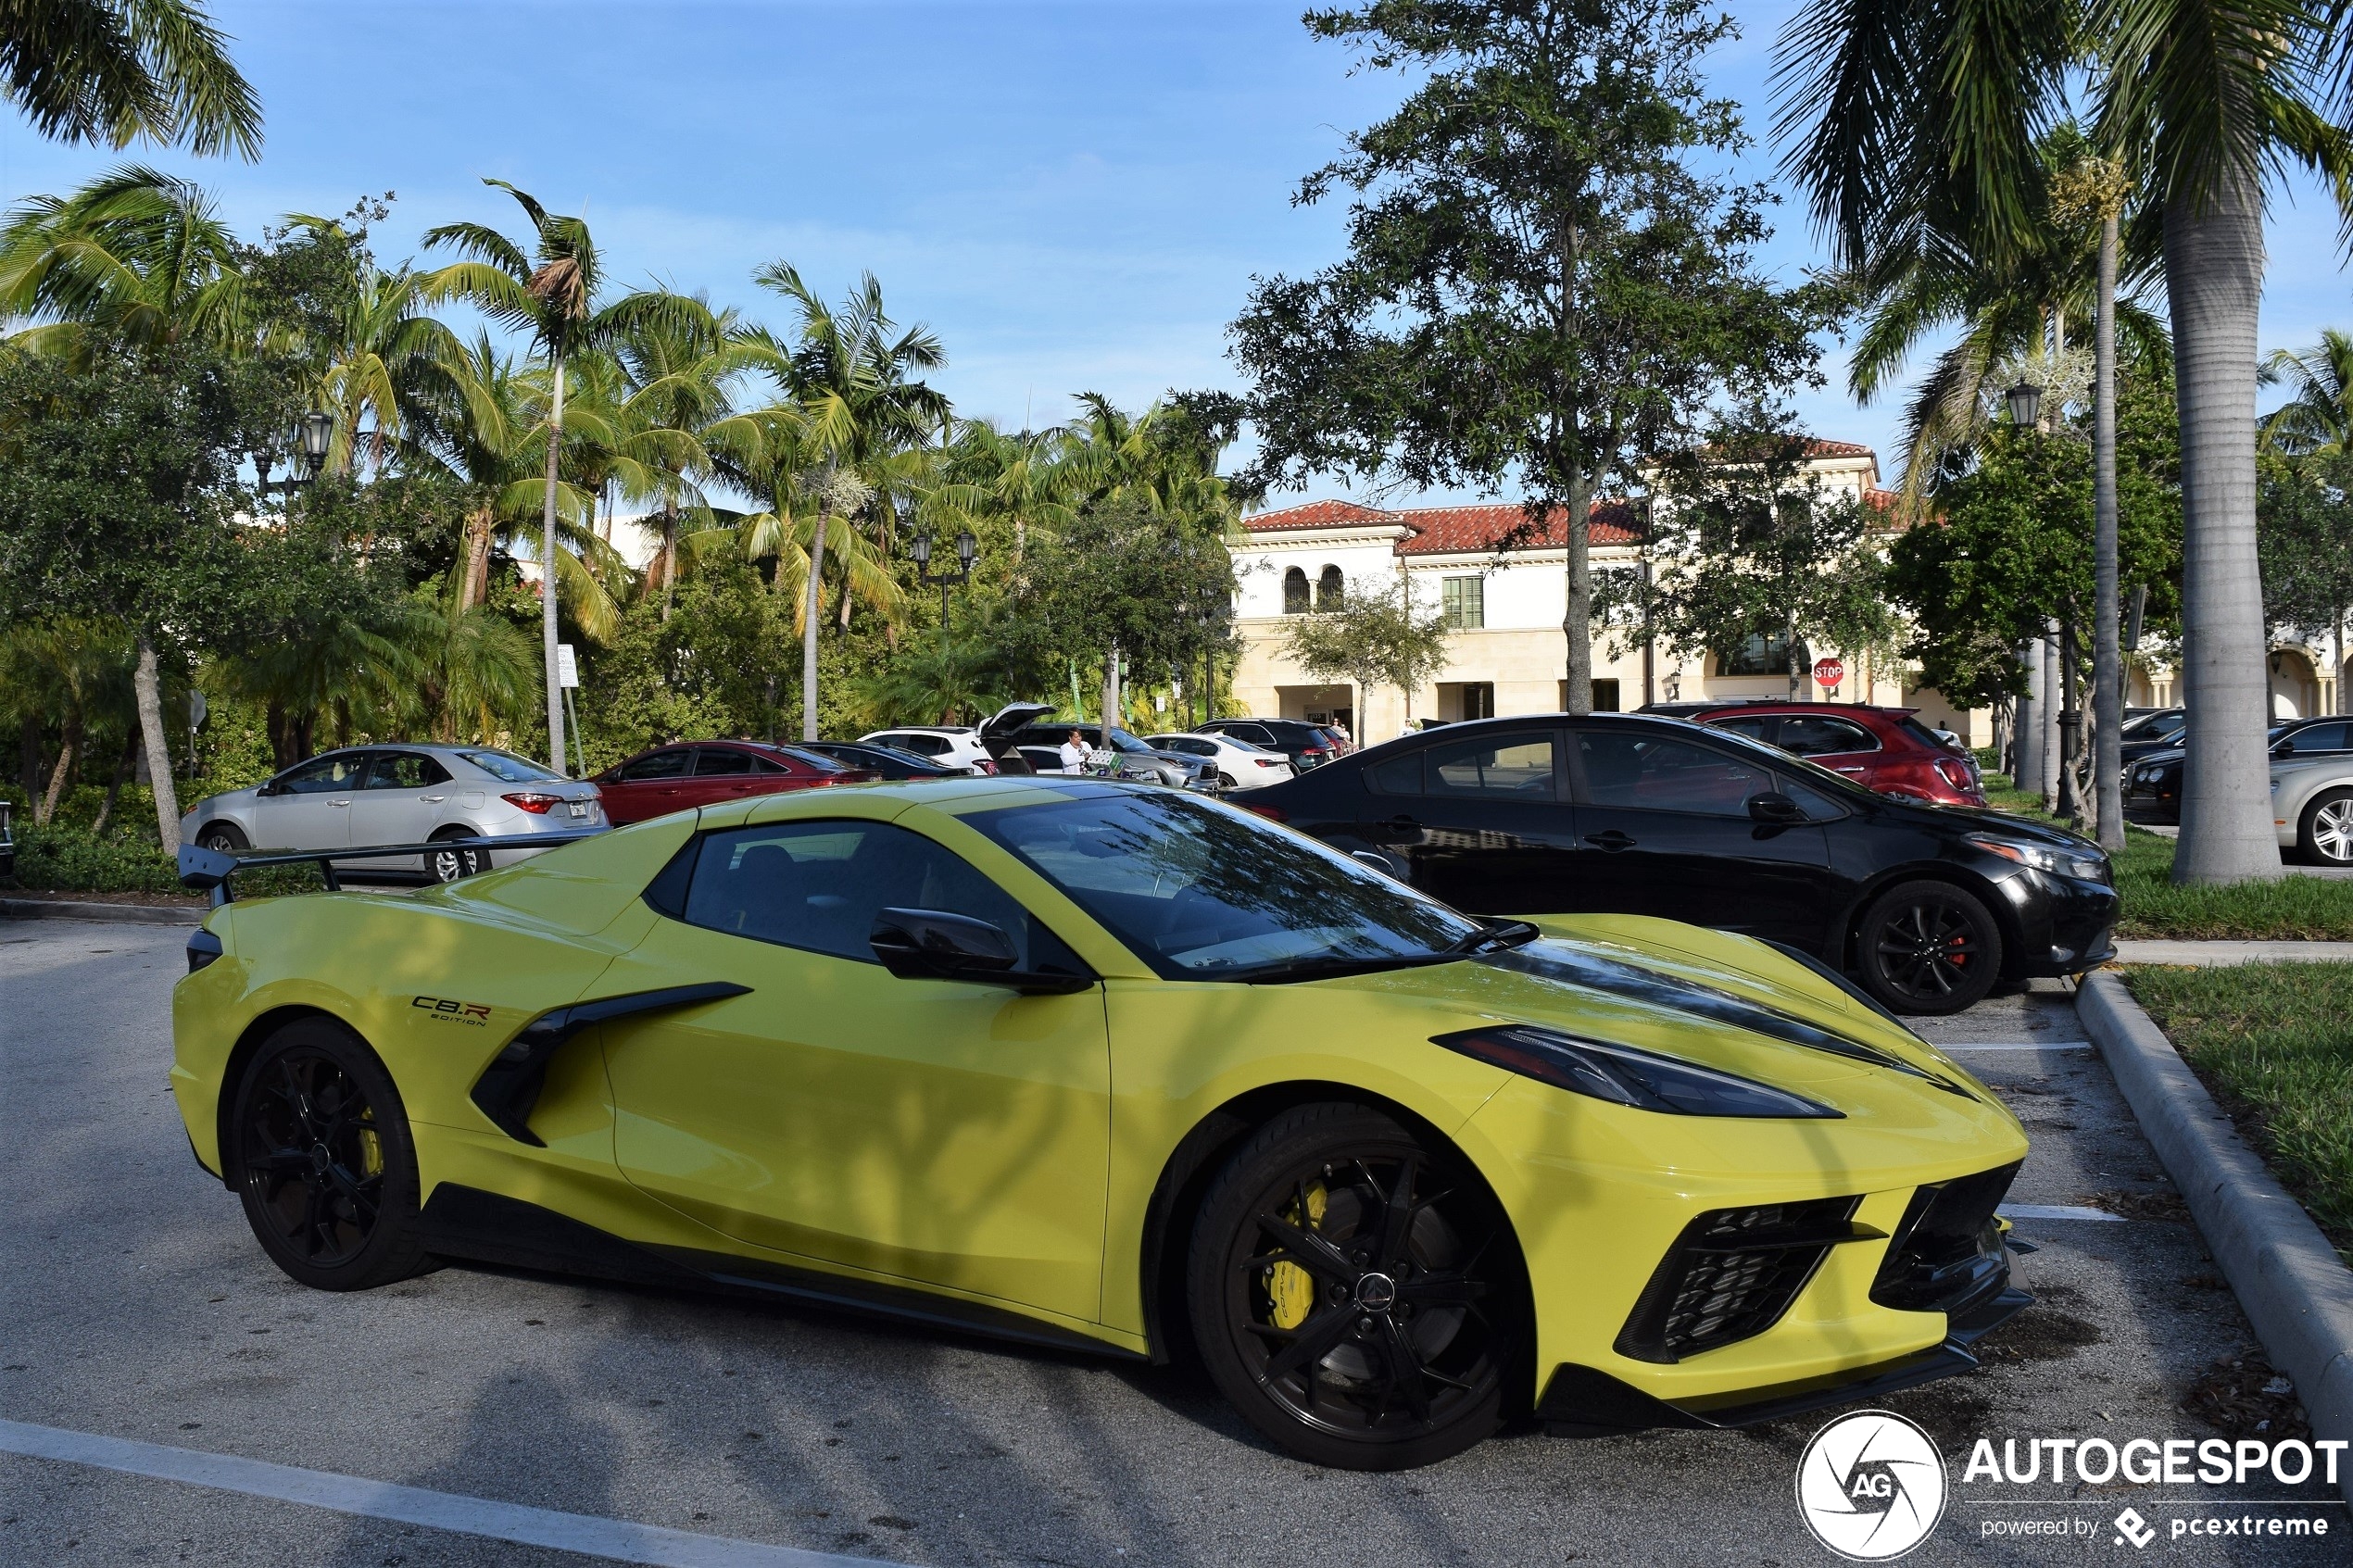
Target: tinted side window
pixel 1641 771
pixel 1256 734
pixel 713 762
pixel 923 745
pixel 322 774
pixel 818 885
pixel 405 770
pixel 1399 776
pixel 1817 735
pixel 1517 767
pixel 1754 727
pixel 668 763
pixel 2318 738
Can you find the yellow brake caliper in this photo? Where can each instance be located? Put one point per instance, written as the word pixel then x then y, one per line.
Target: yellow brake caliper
pixel 372 1152
pixel 1290 1288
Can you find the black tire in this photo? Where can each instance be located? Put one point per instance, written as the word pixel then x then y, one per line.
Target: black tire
pixel 455 865
pixel 320 1152
pixel 1928 947
pixel 1225 780
pixel 222 837
pixel 2325 831
pixel 1390 1338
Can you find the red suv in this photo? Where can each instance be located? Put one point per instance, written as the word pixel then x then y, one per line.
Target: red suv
pixel 1882 749
pixel 673 778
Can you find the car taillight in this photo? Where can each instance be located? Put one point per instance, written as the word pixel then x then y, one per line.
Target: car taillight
pixel 1272 814
pixel 1956 772
pixel 986 765
pixel 534 802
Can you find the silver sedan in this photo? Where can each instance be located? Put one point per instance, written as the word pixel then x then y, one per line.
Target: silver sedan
pixel 2312 792
pixel 376 795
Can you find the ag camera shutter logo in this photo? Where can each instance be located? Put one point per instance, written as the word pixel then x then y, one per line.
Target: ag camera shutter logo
pixel 1870 1486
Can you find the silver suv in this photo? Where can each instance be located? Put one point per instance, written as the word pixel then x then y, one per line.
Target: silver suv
pixel 376 795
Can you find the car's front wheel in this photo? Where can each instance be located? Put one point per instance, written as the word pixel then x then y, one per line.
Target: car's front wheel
pixel 1356 1294
pixel 2325 833
pixel 1928 948
pixel 223 838
pixel 320 1152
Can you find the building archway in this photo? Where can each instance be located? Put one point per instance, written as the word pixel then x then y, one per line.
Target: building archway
pixel 2296 683
pixel 1330 588
pixel 1295 592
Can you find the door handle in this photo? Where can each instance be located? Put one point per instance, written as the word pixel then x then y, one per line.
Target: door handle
pixel 1850 769
pixel 338 802
pixel 1401 820
pixel 432 799
pixel 1611 841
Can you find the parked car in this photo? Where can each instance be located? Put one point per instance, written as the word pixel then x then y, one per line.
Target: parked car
pixel 955 745
pixel 1628 814
pixel 1136 760
pixel 885 762
pixel 2152 782
pixel 361 796
pixel 676 777
pixel 1307 745
pixel 1881 749
pixel 2151 732
pixel 1239 764
pixel 2312 791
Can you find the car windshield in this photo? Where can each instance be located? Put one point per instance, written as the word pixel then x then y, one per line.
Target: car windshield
pixel 1923 734
pixel 1789 763
pixel 1201 891
pixel 1122 741
pixel 508 768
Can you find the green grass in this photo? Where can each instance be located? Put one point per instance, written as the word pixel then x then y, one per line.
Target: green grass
pixel 2275 1043
pixel 2292 909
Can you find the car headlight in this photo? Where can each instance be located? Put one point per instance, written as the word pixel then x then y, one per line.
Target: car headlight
pixel 2042 857
pixel 1624 1075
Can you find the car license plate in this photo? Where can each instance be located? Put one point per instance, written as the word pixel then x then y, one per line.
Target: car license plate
pixel 579 808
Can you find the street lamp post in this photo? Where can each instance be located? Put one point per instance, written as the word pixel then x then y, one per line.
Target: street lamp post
pixel 312 434
pixel 2026 405
pixel 967 550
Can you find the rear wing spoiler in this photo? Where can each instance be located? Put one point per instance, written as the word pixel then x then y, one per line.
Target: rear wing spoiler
pixel 209 870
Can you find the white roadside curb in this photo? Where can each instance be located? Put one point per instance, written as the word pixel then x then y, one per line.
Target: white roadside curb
pixel 2295 1289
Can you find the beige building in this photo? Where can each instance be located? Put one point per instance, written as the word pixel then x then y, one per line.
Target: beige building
pixel 1504 608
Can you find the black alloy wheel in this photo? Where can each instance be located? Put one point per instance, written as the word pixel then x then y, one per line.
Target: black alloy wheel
pixel 448 864
pixel 1357 1296
pixel 222 838
pixel 1225 780
pixel 1928 948
pixel 320 1152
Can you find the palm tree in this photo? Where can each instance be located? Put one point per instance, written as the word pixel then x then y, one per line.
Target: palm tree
pixel 677 382
pixel 139 259
pixel 114 71
pixel 2316 421
pixel 1916 120
pixel 551 291
pixel 852 383
pixel 378 360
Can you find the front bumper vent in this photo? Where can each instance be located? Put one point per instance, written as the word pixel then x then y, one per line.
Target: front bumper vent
pixel 1947 1255
pixel 1731 1274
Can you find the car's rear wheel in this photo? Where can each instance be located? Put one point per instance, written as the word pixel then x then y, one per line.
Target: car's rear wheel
pixel 318 1151
pixel 1928 948
pixel 1354 1293
pixel 222 838
pixel 1225 780
pixel 2325 833
pixel 448 863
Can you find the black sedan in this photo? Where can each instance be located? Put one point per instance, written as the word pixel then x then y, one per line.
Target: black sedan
pixel 1620 813
pixel 886 762
pixel 2153 781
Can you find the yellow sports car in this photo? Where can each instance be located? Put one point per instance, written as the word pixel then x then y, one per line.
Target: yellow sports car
pixel 1110 1066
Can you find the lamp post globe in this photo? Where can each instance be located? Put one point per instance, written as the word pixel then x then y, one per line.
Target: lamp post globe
pixel 2026 403
pixel 967 548
pixel 314 432
pixel 920 547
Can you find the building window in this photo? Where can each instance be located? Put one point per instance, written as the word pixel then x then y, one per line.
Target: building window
pixel 1330 588
pixel 1464 599
pixel 1758 656
pixel 1605 697
pixel 1294 591
pixel 1460 700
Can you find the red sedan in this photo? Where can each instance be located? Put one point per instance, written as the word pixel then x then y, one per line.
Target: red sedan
pixel 1882 749
pixel 676 777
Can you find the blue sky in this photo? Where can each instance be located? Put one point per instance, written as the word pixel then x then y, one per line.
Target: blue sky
pixel 1073 195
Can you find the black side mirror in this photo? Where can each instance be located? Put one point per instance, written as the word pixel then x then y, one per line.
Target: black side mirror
pixel 271 788
pixel 1774 808
pixel 936 945
pixel 2285 748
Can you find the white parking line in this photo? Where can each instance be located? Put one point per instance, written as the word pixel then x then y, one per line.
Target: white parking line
pixel 2056 1211
pixel 2012 1046
pixel 619 1540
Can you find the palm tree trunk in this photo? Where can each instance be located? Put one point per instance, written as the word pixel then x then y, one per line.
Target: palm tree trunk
pixel 2214 282
pixel 2108 645
pixel 811 599
pixel 669 556
pixel 146 687
pixel 548 585
pixel 476 589
pixel 114 785
pixel 1577 621
pixel 45 809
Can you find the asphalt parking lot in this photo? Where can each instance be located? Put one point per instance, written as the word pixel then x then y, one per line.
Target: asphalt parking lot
pixel 135 1305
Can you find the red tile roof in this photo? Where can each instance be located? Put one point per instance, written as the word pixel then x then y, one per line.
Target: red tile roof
pixel 1439 531
pixel 1320 514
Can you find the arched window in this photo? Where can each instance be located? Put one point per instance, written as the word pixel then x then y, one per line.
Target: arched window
pixel 1329 588
pixel 1294 591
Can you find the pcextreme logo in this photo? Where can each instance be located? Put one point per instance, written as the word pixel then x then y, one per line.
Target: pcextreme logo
pixel 443 1011
pixel 1871 1486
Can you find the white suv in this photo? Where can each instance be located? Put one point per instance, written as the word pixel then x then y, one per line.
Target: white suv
pixel 957 745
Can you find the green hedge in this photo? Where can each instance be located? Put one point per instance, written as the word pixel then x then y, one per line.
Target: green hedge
pixel 69 860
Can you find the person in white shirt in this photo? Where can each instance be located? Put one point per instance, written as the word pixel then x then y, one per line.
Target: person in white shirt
pixel 1074 753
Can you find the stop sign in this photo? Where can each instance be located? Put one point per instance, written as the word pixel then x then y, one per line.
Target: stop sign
pixel 1828 671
